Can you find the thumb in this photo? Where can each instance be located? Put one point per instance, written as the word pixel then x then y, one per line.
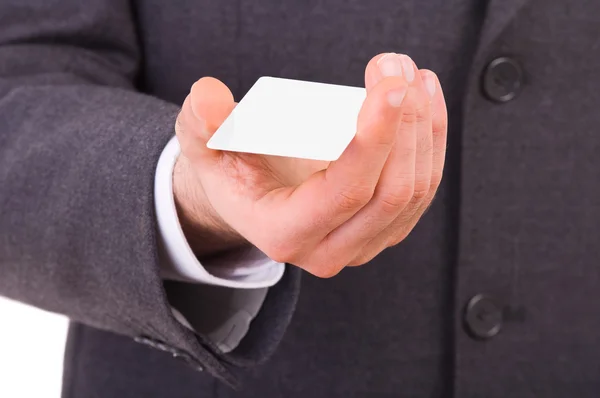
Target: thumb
pixel 205 108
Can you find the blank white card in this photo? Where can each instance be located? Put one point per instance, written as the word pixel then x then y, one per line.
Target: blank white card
pixel 292 118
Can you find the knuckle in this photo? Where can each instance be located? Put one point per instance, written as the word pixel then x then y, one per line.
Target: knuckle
pixel 324 265
pixel 409 114
pixel 353 198
pixel 422 186
pixel 282 252
pixel 423 114
pixel 363 259
pixel 277 255
pixel 373 250
pixel 397 239
pixel 420 194
pixel 416 108
pixel 409 107
pixel 440 126
pixel 394 200
pixel 401 230
pixel 324 271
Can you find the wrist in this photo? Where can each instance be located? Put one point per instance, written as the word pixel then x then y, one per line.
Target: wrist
pixel 206 232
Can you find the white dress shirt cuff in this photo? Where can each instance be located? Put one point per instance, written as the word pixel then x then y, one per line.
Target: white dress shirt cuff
pixel 243 269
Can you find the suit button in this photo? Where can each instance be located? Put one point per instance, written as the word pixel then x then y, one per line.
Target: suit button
pixel 483 317
pixel 502 79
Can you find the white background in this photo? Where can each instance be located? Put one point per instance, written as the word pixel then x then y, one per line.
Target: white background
pixel 31 351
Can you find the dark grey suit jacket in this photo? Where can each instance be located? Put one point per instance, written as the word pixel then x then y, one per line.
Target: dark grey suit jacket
pixel 495 294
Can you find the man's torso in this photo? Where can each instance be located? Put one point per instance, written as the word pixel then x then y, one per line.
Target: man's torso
pixel 517 218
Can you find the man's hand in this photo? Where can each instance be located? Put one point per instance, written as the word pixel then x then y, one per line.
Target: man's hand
pixel 321 217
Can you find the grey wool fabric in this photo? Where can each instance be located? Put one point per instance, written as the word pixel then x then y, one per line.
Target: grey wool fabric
pixel 89 92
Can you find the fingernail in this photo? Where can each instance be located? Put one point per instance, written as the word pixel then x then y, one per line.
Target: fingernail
pixel 396 96
pixel 408 66
pixel 430 83
pixel 390 65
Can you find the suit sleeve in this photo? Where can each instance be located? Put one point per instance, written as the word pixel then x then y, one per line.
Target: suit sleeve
pixel 78 152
